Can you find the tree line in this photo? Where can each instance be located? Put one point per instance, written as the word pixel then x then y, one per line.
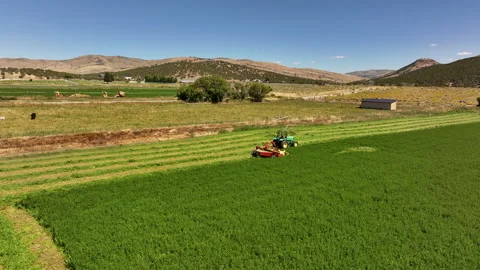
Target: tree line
pixel 215 89
pixel 160 79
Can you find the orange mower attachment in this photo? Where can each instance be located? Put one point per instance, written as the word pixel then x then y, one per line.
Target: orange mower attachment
pixel 268 151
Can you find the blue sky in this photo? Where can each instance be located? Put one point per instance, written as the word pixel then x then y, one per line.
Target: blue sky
pixel 339 36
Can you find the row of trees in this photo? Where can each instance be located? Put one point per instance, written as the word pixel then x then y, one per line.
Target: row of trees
pixel 215 89
pixel 160 79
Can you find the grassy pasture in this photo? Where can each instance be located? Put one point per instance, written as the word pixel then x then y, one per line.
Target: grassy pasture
pixel 25 174
pixel 425 96
pixel 403 200
pixel 75 118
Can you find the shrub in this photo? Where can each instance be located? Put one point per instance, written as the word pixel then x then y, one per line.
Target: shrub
pixel 238 91
pixel 190 94
pixel 108 77
pixel 257 91
pixel 214 87
pixel 478 100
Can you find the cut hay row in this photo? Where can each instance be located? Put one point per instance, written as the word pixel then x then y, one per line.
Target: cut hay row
pixel 111 152
pixel 77 165
pixel 100 159
pixel 125 155
pixel 122 163
pixel 131 163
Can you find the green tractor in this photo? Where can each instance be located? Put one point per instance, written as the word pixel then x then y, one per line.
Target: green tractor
pixel 282 140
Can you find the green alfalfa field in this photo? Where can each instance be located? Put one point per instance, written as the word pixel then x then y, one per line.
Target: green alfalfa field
pixel 399 200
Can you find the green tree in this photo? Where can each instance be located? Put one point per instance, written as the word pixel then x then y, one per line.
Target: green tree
pixel 108 77
pixel 258 91
pixel 214 87
pixel 190 94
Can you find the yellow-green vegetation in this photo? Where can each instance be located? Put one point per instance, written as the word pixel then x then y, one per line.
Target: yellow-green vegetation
pixel 448 96
pixel 26 244
pixel 29 173
pixel 411 203
pixel 74 118
pixel 14 254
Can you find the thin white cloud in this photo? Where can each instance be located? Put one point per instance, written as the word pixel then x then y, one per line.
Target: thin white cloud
pixel 296 63
pixel 433 45
pixel 313 62
pixel 278 62
pixel 337 57
pixel 464 53
pixel 449 59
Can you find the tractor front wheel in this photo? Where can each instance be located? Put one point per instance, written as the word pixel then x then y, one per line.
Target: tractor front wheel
pixel 295 144
pixel 284 144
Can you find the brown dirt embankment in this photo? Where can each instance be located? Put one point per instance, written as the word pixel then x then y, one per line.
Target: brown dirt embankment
pixel 23 145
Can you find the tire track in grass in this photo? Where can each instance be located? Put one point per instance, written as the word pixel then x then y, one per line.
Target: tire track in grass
pixel 346 131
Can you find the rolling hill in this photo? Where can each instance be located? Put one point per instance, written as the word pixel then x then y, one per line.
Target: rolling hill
pixel 228 70
pixel 418 64
pixel 462 73
pixel 90 64
pixel 371 74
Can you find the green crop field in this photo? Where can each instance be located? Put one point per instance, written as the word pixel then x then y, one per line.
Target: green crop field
pixel 397 200
pixel 24 174
pixel 44 92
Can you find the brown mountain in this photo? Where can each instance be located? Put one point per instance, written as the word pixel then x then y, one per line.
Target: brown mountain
pixel 418 64
pixel 98 63
pixel 371 74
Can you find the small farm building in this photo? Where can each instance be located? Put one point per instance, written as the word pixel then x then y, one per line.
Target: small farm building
pixel 381 104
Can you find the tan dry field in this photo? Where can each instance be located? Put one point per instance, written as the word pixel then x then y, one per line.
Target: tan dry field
pixel 66 124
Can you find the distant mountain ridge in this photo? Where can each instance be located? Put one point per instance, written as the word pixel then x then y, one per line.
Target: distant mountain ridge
pixel 90 64
pixel 371 74
pixel 461 73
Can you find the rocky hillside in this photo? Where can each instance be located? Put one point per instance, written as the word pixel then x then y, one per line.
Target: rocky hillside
pixel 89 64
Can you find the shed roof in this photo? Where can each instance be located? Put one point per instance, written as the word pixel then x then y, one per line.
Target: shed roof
pixel 379 100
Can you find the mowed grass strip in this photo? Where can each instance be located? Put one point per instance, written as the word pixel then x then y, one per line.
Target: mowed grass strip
pixel 124 165
pixel 134 157
pixel 139 160
pixel 325 130
pixel 411 202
